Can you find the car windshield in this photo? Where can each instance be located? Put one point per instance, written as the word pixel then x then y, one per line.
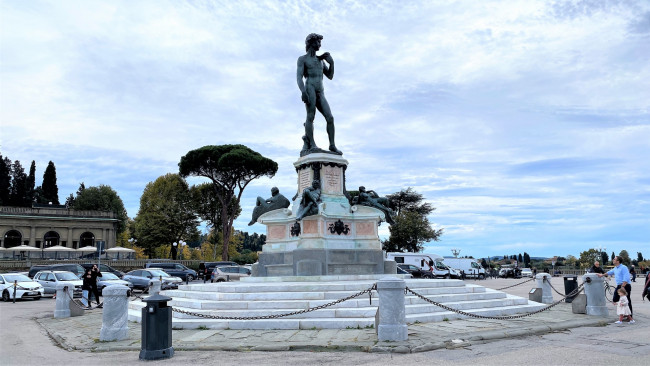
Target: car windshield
pixel 17 277
pixel 66 276
pixel 158 273
pixel 441 266
pixel 109 276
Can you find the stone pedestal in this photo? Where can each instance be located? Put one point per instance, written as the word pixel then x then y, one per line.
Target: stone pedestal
pixel 391 314
pixel 544 282
pixel 595 291
pixel 116 313
pixel 64 294
pixel 339 240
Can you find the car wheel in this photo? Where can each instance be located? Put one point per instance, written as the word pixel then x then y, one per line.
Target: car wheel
pixel 220 280
pixel 447 276
pixel 5 296
pixel 481 277
pixel 37 298
pixel 190 278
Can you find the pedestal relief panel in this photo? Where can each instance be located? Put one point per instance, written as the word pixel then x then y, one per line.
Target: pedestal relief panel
pixel 366 228
pixel 310 226
pixel 277 232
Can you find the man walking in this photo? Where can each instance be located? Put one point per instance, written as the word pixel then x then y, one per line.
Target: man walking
pixel 622 277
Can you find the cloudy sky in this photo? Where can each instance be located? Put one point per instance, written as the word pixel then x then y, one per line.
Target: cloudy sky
pixel 525 123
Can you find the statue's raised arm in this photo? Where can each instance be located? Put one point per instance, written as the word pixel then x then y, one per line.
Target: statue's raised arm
pixel 311 68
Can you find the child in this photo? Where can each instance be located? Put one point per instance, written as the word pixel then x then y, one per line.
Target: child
pixel 622 308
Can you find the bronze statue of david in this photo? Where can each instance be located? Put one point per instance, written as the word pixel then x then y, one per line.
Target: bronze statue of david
pixel 312 68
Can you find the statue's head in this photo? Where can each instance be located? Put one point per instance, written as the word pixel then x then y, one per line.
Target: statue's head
pixel 362 189
pixel 313 41
pixel 274 191
pixel 315 183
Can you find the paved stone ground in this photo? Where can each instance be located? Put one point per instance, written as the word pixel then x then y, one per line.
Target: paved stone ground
pixel 553 337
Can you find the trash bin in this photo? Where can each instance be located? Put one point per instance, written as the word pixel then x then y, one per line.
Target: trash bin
pixel 156 328
pixel 570 284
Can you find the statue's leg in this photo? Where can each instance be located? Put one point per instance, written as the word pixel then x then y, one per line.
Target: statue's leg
pixel 324 108
pixel 311 113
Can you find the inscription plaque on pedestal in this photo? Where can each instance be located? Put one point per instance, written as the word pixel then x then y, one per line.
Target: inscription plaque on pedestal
pixel 304 179
pixel 331 180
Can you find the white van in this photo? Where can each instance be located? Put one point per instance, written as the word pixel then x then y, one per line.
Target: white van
pixel 425 262
pixel 470 266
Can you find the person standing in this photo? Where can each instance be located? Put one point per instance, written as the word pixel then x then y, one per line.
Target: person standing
pixel 596 268
pixel 622 308
pixel 622 277
pixel 94 272
pixel 86 288
pixel 633 274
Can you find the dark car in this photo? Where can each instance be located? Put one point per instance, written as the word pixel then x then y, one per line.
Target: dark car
pixel 141 279
pixel 206 268
pixel 415 271
pixel 109 279
pixel 104 269
pixel 70 267
pixel 175 269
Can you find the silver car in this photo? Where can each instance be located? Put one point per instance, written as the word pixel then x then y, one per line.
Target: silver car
pixel 50 279
pixel 109 279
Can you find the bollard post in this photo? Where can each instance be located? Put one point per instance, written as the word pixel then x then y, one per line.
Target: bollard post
pixel 15 287
pixel 155 288
pixel 116 313
pixel 156 329
pixel 63 295
pixel 595 291
pixel 391 314
pixel 544 282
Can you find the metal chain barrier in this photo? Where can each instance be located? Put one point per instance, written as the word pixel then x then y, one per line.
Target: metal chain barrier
pixel 506 317
pixel 554 289
pixel 275 316
pixel 76 302
pixel 140 297
pixel 516 284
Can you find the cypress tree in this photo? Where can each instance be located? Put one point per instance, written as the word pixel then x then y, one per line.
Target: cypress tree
pixel 18 185
pixel 50 189
pixel 5 180
pixel 31 184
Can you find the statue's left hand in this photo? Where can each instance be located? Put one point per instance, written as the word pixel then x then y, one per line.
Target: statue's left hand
pixel 327 57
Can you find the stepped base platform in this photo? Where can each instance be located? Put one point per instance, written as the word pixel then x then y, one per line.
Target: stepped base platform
pixel 263 296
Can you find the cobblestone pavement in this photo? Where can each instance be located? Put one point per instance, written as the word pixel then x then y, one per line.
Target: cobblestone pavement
pixel 556 336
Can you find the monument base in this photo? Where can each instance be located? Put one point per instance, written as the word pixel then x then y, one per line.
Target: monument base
pixel 320 262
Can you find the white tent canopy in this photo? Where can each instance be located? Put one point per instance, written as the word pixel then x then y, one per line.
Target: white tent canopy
pixel 23 248
pixel 120 250
pixel 58 248
pixel 87 249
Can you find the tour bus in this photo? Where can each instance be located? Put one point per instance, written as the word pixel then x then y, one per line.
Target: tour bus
pixel 470 266
pixel 425 262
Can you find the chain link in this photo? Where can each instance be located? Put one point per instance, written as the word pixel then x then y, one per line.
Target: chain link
pixel 507 317
pixel 516 284
pixel 275 316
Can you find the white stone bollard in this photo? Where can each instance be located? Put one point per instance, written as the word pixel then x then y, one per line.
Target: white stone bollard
pixel 63 299
pixel 116 313
pixel 391 317
pixel 595 291
pixel 156 287
pixel 544 282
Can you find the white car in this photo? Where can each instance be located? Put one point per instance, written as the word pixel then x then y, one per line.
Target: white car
pixel 49 280
pixel 25 289
pixel 526 272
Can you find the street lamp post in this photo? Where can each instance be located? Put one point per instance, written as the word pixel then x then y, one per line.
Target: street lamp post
pixel 455 252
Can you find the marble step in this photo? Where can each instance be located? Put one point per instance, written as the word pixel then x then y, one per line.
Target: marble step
pixel 333 323
pixel 246 287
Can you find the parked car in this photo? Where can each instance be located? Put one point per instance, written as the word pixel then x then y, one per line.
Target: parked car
pixel 103 268
pixel 510 273
pixel 229 273
pixel 50 279
pixel 206 268
pixel 400 271
pixel 175 269
pixel 141 279
pixel 109 279
pixel 415 271
pixel 526 272
pixel 26 289
pixel 70 267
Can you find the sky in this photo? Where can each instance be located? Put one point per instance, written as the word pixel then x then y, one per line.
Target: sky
pixel 526 124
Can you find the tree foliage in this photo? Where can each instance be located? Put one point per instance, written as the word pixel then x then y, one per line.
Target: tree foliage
pixel 5 180
pixel 588 257
pixel 101 198
pixel 166 214
pixel 412 228
pixel 18 196
pixel 625 257
pixel 230 168
pixel 49 186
